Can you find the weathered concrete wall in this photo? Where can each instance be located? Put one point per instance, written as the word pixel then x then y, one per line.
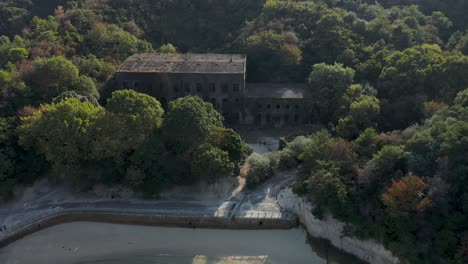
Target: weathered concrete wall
pixel 150 220
pixel 277 112
pixel 170 86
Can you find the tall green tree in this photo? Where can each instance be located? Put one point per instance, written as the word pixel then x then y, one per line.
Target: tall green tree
pixel 188 121
pixel 130 120
pixel 61 132
pixel 327 85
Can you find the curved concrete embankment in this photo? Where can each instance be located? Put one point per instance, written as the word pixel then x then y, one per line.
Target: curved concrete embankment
pixel 148 219
pixel 332 230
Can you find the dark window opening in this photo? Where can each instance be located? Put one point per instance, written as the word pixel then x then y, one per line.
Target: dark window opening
pixel 258 119
pixel 236 116
pixel 259 106
pixel 288 107
pixel 236 87
pixel 225 88
pixel 136 84
pixel 278 106
pixel 237 100
pixel 268 106
pixel 187 87
pixel 296 118
pixel 296 106
pixel 268 119
pixel 213 101
pixel 286 118
pixel 199 87
pixel 212 87
pixel 225 100
pixel 176 88
pixel 125 84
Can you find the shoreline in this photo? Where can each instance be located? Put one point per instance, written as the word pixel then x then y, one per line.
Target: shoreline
pixel 149 219
pixel 271 206
pixel 330 230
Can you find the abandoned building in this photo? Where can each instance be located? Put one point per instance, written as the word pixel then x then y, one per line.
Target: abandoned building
pixel 219 79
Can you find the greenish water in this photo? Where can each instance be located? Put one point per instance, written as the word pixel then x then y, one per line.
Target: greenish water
pixel 98 243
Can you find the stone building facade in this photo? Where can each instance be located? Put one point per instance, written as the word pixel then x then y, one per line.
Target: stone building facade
pixel 219 79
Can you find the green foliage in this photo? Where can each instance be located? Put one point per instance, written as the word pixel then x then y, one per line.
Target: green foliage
pixel 51 77
pixel 60 131
pixel 419 72
pixel 210 163
pixel 366 141
pixel 131 118
pixel 98 69
pixel 319 147
pixel 272 54
pixel 258 170
pixel 363 111
pixel 188 121
pixel 17 54
pixel 328 191
pixel 72 94
pixel 327 85
pixel 111 41
pixel 167 48
pixel 85 85
pixel 231 142
pixel 414 54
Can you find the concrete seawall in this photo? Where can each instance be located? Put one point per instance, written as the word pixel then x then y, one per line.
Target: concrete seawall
pixel 149 220
pixel 331 230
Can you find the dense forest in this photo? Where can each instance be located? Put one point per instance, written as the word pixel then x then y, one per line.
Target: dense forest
pixel 389 82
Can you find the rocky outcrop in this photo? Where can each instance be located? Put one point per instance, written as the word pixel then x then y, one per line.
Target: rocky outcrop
pixel 331 230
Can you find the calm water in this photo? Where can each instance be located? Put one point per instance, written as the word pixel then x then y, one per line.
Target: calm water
pixel 97 243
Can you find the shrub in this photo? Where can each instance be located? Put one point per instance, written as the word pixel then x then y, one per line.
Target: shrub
pixel 259 169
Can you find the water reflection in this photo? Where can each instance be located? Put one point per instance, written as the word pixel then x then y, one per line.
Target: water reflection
pixel 97 243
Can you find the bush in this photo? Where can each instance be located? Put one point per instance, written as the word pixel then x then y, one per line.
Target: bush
pixel 259 169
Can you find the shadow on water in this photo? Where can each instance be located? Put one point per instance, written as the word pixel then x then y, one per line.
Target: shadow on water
pixel 332 255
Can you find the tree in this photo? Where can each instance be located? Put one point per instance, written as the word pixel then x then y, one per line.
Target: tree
pixel 60 131
pixel 328 190
pixel 17 54
pixel 273 57
pixel 72 94
pixel 366 142
pixel 362 114
pixel 210 163
pixel 85 85
pixel 390 159
pixel 8 157
pixel 167 48
pixel 188 121
pixel 327 85
pixel 258 169
pixel 406 197
pixel 96 68
pixel 111 41
pixel 228 140
pixel 130 120
pixel 319 147
pixel 53 76
pixel 415 75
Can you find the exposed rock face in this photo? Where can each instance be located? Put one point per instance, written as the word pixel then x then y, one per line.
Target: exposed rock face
pixel 331 229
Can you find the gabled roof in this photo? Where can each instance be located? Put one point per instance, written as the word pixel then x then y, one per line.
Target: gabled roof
pixel 185 63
